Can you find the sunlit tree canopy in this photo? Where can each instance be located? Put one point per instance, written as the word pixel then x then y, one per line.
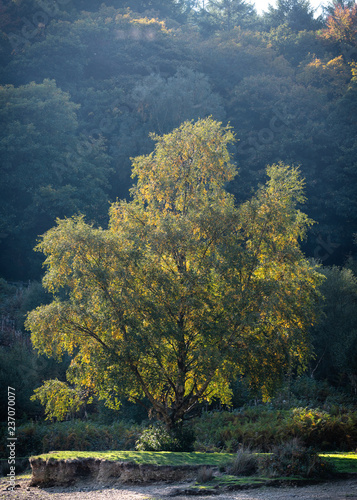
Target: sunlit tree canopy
pixel 185 290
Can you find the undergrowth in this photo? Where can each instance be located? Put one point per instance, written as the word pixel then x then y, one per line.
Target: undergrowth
pixel 292 459
pixel 256 428
pixel 35 438
pixel 245 463
pixel 260 428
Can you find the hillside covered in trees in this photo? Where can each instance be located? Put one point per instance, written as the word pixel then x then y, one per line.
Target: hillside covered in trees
pixel 84 84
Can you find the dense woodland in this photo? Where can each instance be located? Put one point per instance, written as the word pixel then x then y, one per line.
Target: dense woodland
pixel 84 83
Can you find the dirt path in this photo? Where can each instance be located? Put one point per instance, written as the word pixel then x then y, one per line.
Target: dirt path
pixel 337 490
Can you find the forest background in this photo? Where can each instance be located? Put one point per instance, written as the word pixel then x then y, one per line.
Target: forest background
pixel 83 83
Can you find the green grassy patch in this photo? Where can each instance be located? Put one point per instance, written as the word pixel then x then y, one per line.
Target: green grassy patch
pixel 146 457
pixel 343 462
pixel 226 481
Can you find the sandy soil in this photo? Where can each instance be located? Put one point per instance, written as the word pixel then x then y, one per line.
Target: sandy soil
pixel 336 490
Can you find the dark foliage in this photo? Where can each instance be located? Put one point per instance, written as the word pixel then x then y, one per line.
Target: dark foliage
pixel 292 459
pixel 159 438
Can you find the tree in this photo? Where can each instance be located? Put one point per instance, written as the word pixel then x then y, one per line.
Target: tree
pixel 108 43
pixel 165 104
pixel 184 291
pixel 47 170
pixel 226 14
pixel 296 14
pixel 334 337
pixel 19 364
pixel 329 8
pixel 341 28
pixel 165 8
pixel 295 45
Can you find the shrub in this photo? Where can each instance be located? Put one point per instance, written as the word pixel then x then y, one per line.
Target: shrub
pixel 261 427
pixel 204 475
pixel 324 431
pixel 293 459
pixel 245 463
pixel 155 438
pixel 36 438
pixel 254 428
pixel 159 438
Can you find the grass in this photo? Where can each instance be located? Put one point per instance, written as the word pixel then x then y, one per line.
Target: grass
pixel 229 482
pixel 344 462
pixel 146 457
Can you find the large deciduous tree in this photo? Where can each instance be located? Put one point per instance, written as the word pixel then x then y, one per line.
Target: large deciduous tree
pixel 184 291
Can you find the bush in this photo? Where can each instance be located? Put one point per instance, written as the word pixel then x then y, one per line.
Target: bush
pixel 324 431
pixel 293 459
pixel 261 427
pixel 159 438
pixel 253 428
pixel 37 438
pixel 155 438
pixel 305 391
pixel 245 463
pixel 204 475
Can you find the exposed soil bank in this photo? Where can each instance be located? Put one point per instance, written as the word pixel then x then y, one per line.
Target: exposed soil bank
pixel 67 472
